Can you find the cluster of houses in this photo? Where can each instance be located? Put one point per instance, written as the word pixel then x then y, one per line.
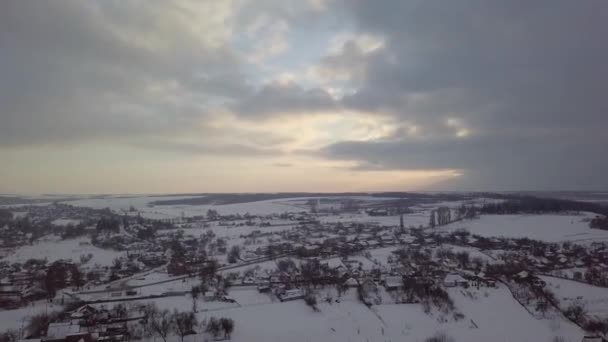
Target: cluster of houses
pixel 91 323
pixel 22 285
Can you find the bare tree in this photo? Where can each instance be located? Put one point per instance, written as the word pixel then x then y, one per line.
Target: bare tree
pixel 234 254
pixel 311 301
pixel 227 325
pixel 184 323
pixel 213 326
pixel 158 322
pixel 440 338
pixel 9 336
pixel 39 323
pixel 576 312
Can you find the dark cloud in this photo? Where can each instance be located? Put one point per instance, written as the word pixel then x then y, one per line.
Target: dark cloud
pixel 526 78
pixel 488 163
pixel 515 63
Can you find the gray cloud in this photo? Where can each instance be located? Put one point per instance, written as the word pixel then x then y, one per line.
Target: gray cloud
pixel 285 98
pixel 516 63
pixel 75 70
pixel 525 77
pixel 213 149
pixel 488 163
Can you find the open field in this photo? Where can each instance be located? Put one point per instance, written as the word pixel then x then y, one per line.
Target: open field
pixel 547 227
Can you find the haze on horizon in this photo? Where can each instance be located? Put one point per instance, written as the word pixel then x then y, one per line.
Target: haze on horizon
pixel 302 95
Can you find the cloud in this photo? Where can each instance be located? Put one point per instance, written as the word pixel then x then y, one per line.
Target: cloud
pixel 271 39
pixel 512 64
pixel 74 71
pixel 487 163
pixel 280 98
pixel 504 91
pixel 211 149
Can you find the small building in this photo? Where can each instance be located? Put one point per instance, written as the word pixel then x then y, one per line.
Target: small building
pixel 378 212
pixel 59 332
pixel 263 285
pixel 453 280
pixel 393 283
pixel 292 294
pixel 351 282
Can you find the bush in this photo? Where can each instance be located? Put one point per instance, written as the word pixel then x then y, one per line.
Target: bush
pixel 596 326
pixel 440 337
pixel 9 336
pixel 311 301
pixel 39 323
pixel 576 313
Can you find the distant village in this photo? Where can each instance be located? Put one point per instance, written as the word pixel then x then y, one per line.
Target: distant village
pixel 158 259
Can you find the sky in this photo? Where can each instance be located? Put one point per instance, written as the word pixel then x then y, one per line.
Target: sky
pixel 155 96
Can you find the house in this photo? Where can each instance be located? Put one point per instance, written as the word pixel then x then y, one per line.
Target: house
pixel 263 285
pixel 9 292
pixel 209 295
pixel 351 282
pixel 386 239
pixel 453 280
pixel 65 331
pixel 248 281
pixel 21 278
pixel 522 275
pixel 368 285
pixel 249 255
pixel 292 294
pixel 378 212
pixel 393 282
pixel 84 311
pixel 32 293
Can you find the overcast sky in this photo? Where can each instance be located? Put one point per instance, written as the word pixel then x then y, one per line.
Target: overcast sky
pixel 302 95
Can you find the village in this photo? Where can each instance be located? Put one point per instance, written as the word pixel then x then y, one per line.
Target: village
pixel 130 277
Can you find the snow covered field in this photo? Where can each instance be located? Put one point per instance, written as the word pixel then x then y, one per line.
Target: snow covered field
pixel 276 206
pixel 142 205
pixel 258 320
pixel 393 220
pixel 65 222
pixel 548 227
pixel 594 299
pixel 19 318
pixel 54 249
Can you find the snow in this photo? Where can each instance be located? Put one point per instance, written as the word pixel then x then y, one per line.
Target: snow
pixel 260 267
pixel 143 205
pixel 549 227
pixel 594 299
pixel 353 321
pixel 382 254
pixel 229 231
pixel 54 249
pixel 365 263
pixel 473 252
pixel 65 222
pixel 18 318
pixel 249 295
